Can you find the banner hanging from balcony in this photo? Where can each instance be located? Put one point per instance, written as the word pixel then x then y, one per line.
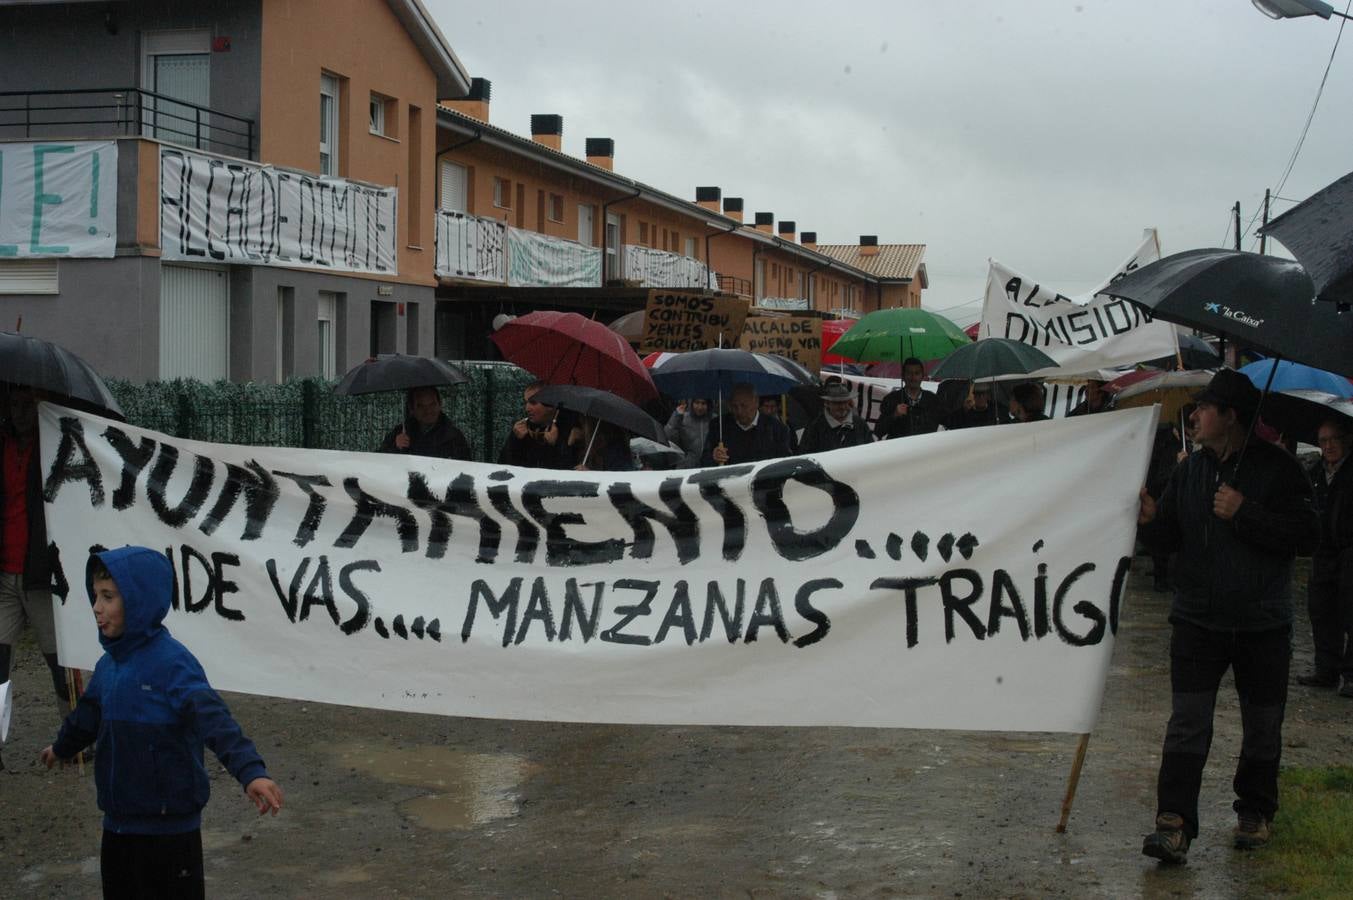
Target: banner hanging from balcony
pixel 660 269
pixel 216 210
pixel 872 586
pixel 58 198
pixel 1083 333
pixel 538 260
pixel 471 247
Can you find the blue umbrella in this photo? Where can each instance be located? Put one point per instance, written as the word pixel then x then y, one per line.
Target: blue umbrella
pixel 1293 376
pixel 715 372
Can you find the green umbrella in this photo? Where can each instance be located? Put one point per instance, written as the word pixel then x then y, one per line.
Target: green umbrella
pixel 991 358
pixel 892 335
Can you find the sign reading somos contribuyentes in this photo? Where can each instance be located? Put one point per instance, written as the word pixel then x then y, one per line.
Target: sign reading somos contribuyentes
pixel 939 581
pixel 232 212
pixel 58 199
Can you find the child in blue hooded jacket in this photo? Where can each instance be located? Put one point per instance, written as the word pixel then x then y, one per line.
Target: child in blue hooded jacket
pixel 152 710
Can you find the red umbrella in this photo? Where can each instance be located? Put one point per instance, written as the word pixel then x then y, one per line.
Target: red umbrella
pixel 832 329
pixel 565 348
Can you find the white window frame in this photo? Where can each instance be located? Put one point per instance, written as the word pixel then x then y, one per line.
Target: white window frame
pixel 326 346
pixel 330 89
pixel 175 42
pixel 586 222
pixel 376 114
pixel 690 247
pixel 502 193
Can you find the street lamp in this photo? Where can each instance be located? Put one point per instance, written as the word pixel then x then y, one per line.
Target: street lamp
pixel 1292 9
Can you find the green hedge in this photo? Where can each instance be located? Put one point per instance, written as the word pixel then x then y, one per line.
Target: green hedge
pixel 307 413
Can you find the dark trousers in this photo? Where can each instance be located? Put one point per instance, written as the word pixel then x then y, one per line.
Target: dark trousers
pixel 136 866
pixel 1331 629
pixel 1198 659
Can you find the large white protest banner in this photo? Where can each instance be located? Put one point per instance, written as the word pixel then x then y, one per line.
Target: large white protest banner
pixel 1082 333
pixel 932 582
pixel 58 198
pixel 219 210
pixel 538 260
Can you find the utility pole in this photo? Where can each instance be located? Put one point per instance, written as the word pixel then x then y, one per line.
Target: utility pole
pixel 1236 210
pixel 1263 238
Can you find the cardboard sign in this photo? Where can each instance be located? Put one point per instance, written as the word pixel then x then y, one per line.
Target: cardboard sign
pixel 677 322
pixel 797 337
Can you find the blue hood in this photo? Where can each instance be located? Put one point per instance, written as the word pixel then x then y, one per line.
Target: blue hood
pixel 145 579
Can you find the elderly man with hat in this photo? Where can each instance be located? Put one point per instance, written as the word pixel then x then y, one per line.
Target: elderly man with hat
pixel 1237 512
pixel 837 425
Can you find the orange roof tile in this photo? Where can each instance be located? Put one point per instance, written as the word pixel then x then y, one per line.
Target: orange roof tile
pixel 902 261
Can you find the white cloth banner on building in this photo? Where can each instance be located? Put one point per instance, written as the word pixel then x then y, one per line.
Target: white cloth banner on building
pixel 660 269
pixel 784 303
pixel 1082 333
pixel 217 210
pixel 538 260
pixel 471 247
pixel 58 198
pixel 910 583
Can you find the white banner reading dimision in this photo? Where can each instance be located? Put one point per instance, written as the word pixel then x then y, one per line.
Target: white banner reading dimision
pixel 214 209
pixel 1083 333
pixel 58 198
pixel 932 582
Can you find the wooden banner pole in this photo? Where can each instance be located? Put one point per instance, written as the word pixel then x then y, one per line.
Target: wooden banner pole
pixel 1073 781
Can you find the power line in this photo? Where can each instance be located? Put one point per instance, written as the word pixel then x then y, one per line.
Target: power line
pixel 1296 151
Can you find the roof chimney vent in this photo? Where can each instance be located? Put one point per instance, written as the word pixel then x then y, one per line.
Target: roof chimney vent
pixel 601 153
pixel 765 221
pixel 808 239
pixel 786 229
pixel 869 245
pixel 732 207
pixel 476 103
pixel 709 197
pixel 548 130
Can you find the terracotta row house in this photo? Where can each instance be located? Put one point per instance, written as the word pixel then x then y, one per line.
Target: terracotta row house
pixel 225 190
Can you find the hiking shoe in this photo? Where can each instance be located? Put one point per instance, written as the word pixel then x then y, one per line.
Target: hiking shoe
pixel 1168 843
pixel 1251 831
pixel 1318 679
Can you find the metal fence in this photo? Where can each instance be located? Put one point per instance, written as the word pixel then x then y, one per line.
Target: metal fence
pixel 307 413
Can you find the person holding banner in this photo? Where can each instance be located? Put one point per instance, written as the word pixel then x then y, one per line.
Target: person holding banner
pixel 25 565
pixel 1027 401
pixel 535 440
pixel 743 435
pixel 976 410
pixel 1237 512
pixel 426 431
pixel 837 425
pixel 910 409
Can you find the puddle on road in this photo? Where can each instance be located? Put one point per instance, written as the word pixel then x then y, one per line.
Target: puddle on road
pixel 468 789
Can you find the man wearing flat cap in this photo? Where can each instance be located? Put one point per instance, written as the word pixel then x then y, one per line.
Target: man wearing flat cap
pixel 1237 513
pixel 837 425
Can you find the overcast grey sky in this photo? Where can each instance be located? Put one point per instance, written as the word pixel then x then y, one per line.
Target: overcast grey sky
pixel 1044 134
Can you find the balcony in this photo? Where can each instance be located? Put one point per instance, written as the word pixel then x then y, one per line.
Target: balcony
pixel 124 112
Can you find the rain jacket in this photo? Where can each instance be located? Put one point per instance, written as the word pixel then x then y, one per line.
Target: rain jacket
pixel 687 432
pixel 1236 575
pixel 152 710
pixel 442 440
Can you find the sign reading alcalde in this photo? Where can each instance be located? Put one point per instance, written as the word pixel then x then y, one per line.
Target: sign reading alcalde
pixel 58 198
pixel 869 586
pixel 216 210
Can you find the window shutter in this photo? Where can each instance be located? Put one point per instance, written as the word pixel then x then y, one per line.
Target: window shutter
pixel 453 187
pixel 28 276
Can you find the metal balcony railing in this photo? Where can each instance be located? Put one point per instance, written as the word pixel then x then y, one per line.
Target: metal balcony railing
pixel 105 112
pixel 730 284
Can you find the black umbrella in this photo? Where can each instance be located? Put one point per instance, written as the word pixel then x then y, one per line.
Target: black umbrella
pixel 1319 232
pixel 1266 302
pixel 992 358
pixel 1298 414
pixel 397 372
pixel 34 363
pixel 602 405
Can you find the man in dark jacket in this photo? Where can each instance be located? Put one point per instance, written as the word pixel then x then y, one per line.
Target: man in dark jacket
pixel 1330 591
pixel 837 425
pixel 426 431
pixel 1237 513
pixel 1027 401
pixel 910 409
pixel 538 440
pixel 25 566
pixel 976 410
pixel 747 436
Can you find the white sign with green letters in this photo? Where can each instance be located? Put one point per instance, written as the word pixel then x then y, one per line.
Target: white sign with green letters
pixel 58 198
